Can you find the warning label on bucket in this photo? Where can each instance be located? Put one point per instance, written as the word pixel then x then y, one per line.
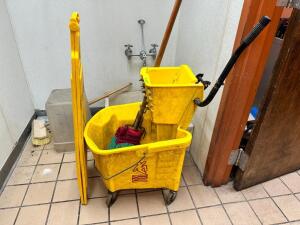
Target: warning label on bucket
pixel 140 172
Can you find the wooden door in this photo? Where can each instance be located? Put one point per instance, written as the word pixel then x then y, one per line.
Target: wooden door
pixel 239 90
pixel 274 146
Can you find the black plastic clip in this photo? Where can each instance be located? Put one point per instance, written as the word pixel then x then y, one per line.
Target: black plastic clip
pixel 204 82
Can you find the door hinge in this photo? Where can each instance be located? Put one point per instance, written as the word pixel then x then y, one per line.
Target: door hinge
pixel 289 3
pixel 238 158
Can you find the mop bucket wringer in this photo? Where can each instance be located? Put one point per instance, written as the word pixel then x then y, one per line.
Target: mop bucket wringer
pixel 158 161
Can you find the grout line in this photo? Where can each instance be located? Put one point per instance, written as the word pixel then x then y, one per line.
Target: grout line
pixel 73 200
pixel 280 209
pixel 49 181
pixel 227 203
pixel 182 181
pixel 25 191
pixel 259 198
pixel 79 210
pixel 54 202
pixel 40 182
pixel 195 207
pixel 130 218
pixel 178 211
pixel 168 212
pixel 227 213
pixel 17 216
pixel 221 203
pixel 140 190
pixel 274 202
pixel 95 223
pixel 64 162
pixel 292 193
pixel 148 191
pixel 54 190
pixel 286 184
pixel 49 163
pixel 26 206
pixel 45 203
pixel 157 214
pixel 108 211
pixel 251 208
pixel 138 208
pixel 186 210
pixel 286 223
pixel 209 206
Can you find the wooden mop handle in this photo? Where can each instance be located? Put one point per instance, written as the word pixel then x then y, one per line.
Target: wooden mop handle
pixel 109 94
pixel 167 33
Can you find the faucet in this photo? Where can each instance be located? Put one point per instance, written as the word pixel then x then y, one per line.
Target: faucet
pixel 128 50
pixel 153 51
pixel 143 53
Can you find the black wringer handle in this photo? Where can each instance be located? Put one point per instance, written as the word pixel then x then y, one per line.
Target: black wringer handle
pixel 257 29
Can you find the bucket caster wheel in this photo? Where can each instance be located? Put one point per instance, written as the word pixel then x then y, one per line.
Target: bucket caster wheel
pixel 111 198
pixel 170 196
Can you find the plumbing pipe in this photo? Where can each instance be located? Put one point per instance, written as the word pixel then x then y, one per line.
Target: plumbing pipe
pixel 142 22
pixel 143 53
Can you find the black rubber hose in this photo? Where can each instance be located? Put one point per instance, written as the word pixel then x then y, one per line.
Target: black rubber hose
pixel 257 29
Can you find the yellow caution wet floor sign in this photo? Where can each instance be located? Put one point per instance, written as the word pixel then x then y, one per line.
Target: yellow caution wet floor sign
pixel 79 102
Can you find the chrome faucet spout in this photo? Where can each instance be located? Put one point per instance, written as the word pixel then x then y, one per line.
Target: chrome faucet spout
pixel 143 54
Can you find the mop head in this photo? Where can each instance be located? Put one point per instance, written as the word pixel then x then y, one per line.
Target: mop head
pixel 113 144
pixel 40 133
pixel 126 136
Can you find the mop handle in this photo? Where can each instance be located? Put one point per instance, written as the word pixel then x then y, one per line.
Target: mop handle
pixel 167 33
pixel 257 29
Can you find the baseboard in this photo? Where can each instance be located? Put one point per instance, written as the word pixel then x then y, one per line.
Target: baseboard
pixel 94 110
pixel 40 112
pixel 14 155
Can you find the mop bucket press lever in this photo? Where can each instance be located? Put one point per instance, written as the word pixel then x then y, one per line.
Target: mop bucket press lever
pixel 257 29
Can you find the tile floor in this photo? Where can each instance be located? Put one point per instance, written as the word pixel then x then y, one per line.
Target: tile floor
pixel 43 190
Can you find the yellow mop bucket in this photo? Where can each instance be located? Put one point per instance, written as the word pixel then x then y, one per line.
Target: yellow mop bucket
pixel 170 93
pixel 149 165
